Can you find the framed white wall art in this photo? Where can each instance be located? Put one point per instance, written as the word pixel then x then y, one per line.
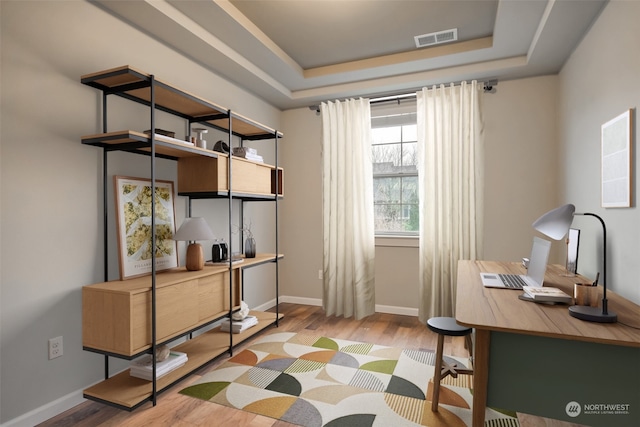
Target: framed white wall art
pixel 616 161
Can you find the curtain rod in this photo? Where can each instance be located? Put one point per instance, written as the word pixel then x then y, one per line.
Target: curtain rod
pixel 392 98
pixel 489 87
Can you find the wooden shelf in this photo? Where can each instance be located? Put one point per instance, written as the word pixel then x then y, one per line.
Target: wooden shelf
pixel 201 173
pixel 128 140
pixel 134 84
pixel 128 392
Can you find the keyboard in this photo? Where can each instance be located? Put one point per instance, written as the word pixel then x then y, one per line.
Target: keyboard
pixel 512 281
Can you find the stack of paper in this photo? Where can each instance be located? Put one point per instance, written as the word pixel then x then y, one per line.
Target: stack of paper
pixel 238 326
pixel 143 367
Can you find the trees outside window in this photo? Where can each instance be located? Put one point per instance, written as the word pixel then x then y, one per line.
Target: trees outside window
pixel 395 179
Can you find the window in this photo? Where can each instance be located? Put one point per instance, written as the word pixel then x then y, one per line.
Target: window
pixel 395 176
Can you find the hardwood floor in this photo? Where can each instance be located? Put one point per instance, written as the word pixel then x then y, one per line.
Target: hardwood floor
pixel 174 409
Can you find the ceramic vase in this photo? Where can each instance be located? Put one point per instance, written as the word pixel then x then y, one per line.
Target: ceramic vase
pixel 250 247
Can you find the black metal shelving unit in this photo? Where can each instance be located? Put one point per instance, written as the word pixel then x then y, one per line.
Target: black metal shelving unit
pixel 145 89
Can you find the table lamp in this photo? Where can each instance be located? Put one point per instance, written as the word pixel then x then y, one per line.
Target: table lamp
pixel 193 229
pixel 555 224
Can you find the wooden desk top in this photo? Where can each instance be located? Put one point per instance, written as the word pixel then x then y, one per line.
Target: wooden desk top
pixel 501 310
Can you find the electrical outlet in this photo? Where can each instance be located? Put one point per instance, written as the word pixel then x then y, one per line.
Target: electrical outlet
pixel 320 274
pixel 55 347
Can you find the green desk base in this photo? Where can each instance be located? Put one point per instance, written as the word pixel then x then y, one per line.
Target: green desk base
pixel 598 384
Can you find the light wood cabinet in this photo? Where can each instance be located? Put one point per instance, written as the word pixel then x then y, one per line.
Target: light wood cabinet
pixel 121 317
pixel 117 314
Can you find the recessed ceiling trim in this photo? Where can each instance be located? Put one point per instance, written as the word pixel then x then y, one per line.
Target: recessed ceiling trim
pixel 258 34
pixel 398 58
pixel 541 25
pixel 214 42
pixel 411 80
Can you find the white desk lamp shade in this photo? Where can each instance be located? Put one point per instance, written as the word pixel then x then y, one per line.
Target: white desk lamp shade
pixel 556 222
pixel 193 229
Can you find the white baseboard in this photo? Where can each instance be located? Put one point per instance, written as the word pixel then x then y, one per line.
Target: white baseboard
pixel 390 309
pixel 48 411
pixel 316 302
pixel 75 398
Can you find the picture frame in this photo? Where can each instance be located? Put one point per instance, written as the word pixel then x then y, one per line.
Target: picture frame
pixel 133 224
pixel 616 161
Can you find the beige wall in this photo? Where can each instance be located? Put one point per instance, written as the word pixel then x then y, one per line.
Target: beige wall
pixel 520 164
pixel 50 218
pixel 520 138
pixel 599 82
pixel 51 222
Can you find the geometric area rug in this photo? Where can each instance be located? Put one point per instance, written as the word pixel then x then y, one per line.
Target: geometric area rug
pixel 316 381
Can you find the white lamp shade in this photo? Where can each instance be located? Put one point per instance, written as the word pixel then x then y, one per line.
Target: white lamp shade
pixel 556 222
pixel 193 229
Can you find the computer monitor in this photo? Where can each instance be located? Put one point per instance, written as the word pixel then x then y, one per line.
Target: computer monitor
pixel 573 241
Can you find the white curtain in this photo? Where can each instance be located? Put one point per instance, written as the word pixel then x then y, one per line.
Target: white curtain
pixel 450 158
pixel 347 202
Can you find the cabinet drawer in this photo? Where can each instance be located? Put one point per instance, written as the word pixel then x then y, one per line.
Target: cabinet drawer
pixel 119 322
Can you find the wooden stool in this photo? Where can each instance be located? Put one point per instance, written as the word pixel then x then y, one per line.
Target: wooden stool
pixel 447 326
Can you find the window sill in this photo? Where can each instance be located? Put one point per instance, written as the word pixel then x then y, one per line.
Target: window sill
pixel 397 241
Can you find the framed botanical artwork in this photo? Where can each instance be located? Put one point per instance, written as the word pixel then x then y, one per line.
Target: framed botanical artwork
pixel 616 161
pixel 133 223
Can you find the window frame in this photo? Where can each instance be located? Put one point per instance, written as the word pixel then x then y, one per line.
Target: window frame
pixel 388 116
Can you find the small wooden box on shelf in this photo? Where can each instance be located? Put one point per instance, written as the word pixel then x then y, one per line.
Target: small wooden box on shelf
pixel 203 175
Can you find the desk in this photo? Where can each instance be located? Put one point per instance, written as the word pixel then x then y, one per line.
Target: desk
pixel 537 359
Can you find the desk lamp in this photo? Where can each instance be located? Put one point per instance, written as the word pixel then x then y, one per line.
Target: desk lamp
pixel 555 224
pixel 193 229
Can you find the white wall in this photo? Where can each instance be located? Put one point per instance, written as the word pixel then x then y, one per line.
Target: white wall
pixel 599 82
pixel 51 224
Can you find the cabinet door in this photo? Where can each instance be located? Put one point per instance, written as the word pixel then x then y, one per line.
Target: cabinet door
pixel 176 312
pixel 213 296
pixel 181 307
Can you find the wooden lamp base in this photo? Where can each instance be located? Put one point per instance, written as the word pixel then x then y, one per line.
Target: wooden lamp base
pixel 195 257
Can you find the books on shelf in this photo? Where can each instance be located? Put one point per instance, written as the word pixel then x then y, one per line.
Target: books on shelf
pixel 234 260
pixel 255 158
pixel 547 294
pixel 248 153
pixel 239 325
pixel 143 367
pixel 243 151
pixel 162 135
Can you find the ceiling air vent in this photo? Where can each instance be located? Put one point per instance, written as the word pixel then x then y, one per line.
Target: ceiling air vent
pixel 430 39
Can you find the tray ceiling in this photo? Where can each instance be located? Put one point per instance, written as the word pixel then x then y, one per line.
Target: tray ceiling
pixel 298 53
